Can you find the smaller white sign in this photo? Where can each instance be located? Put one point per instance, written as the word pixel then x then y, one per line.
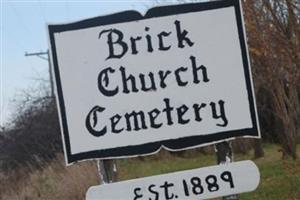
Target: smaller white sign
pixel 202 183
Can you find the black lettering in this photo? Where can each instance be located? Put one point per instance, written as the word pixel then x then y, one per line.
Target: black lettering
pixel 143 82
pixel 111 43
pixel 180 112
pixel 168 109
pixel 227 177
pixel 138 120
pixel 149 41
pixel 151 190
pixel 196 69
pixel 197 109
pixel 153 114
pixel 166 186
pixel 185 188
pixel 103 82
pixel 163 75
pixel 137 196
pixel 92 115
pixel 133 44
pixel 126 79
pixel 161 42
pixel 212 184
pixel 221 114
pixel 114 121
pixel 178 78
pixel 197 187
pixel 182 35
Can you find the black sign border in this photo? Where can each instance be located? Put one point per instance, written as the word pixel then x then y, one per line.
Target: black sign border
pixel 171 144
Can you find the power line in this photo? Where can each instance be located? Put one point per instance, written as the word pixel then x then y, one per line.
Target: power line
pixel 47 58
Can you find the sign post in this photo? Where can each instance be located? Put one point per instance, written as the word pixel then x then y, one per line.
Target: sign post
pixel 224 154
pixel 176 78
pixel 107 171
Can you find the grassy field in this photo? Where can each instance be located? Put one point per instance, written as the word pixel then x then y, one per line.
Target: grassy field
pixel 280 179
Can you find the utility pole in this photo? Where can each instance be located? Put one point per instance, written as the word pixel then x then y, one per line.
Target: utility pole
pixel 47 58
pixel 107 169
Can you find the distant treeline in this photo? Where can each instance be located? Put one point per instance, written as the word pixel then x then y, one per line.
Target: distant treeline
pixel 34 137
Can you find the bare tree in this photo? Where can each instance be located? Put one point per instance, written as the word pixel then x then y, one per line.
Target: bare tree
pixel 34 135
pixel 274 34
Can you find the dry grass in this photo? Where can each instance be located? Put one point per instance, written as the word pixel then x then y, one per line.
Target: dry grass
pixel 55 182
pixel 280 179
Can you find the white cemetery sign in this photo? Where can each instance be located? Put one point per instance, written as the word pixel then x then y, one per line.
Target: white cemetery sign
pixel 177 77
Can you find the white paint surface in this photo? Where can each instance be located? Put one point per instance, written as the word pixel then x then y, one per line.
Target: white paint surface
pixel 245 176
pixel 81 56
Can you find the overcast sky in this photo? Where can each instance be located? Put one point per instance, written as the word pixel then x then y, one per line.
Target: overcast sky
pixel 23 29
